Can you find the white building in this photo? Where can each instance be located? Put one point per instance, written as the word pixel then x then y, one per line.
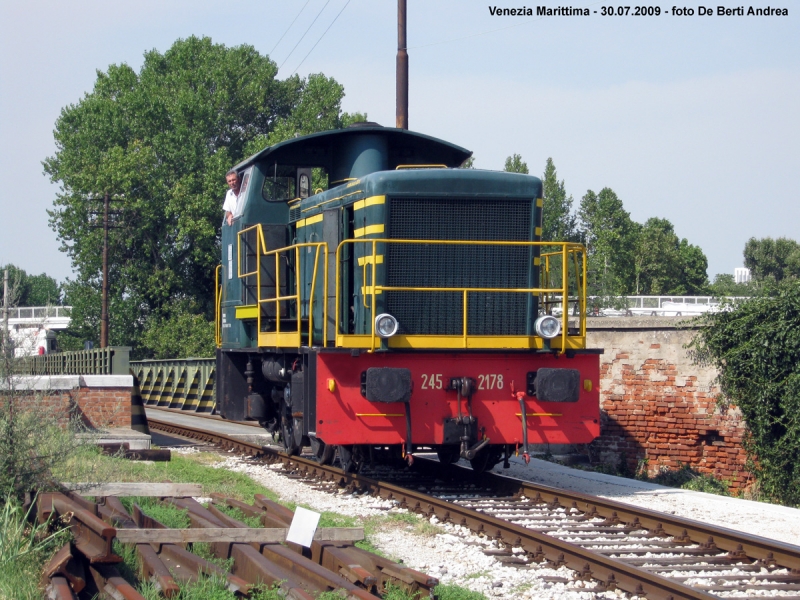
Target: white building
pixel 741 275
pixel 32 328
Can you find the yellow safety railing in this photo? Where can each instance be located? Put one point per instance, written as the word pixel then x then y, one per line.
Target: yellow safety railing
pixel 293 337
pixel 572 255
pixel 217 308
pixel 578 273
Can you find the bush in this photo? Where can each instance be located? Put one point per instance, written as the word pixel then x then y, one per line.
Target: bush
pixel 755 347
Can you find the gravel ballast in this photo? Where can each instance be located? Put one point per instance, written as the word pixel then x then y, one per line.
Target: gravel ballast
pixel 456 556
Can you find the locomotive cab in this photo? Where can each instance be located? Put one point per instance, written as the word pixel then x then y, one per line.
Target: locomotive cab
pixel 411 304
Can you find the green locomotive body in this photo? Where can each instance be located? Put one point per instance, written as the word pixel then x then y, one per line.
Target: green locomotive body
pixel 406 305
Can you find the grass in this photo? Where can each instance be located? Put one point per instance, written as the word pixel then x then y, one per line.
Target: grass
pixel 24 549
pixel 686 478
pixel 454 592
pixel 91 465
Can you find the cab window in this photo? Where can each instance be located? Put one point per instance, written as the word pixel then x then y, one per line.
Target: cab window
pixel 242 197
pixel 279 184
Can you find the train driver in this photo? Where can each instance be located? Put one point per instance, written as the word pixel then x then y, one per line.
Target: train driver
pixel 229 206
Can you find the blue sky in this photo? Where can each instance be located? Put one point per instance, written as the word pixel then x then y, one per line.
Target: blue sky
pixel 694 119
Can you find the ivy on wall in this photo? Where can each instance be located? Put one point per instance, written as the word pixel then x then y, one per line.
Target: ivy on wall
pixel 755 346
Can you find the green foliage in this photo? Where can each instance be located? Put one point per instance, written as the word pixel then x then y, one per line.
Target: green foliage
pixel 515 164
pixel 178 334
pixel 665 264
pixel 725 285
pixel 755 347
pixel 686 478
pixel 35 441
pixel 168 515
pixel 468 164
pixel 454 592
pixel 29 290
pixel 237 514
pixel 558 221
pixel 610 237
pixel 772 260
pixel 24 547
pixel 160 142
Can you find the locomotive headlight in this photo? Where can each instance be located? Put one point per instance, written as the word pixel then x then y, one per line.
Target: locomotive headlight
pixel 386 325
pixel 547 326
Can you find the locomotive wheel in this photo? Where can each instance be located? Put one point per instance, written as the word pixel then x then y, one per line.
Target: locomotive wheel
pixel 290 445
pixel 350 458
pixel 448 455
pixel 323 452
pixel 486 459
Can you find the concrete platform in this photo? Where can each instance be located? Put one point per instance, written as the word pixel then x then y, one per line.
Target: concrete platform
pixel 246 433
pixel 119 435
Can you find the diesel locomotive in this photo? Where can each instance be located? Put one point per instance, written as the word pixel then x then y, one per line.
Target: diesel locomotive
pixel 375 299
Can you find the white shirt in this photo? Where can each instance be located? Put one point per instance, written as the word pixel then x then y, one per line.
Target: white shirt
pixel 230 202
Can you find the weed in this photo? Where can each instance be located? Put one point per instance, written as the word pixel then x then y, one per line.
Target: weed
pixel 454 592
pixel 237 514
pixel 687 478
pixel 24 548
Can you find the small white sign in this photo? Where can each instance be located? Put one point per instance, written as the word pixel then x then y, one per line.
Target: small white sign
pixel 304 525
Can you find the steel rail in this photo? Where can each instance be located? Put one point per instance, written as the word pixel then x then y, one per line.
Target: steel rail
pixel 610 572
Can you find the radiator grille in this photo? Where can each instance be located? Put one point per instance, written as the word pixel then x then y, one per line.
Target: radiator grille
pixel 431 265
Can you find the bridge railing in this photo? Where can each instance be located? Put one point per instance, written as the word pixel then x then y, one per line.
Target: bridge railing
pixel 113 360
pixel 39 312
pixel 185 384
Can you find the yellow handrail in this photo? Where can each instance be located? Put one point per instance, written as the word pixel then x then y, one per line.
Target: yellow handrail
pixel 320 255
pixel 569 253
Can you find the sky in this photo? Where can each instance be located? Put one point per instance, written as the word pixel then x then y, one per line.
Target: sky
pixel 691 118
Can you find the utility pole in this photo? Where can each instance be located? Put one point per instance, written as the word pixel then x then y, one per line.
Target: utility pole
pixel 104 308
pixel 402 67
pixel 5 310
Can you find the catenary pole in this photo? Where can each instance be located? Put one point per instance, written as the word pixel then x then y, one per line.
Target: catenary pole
pixel 402 67
pixel 104 307
pixel 5 310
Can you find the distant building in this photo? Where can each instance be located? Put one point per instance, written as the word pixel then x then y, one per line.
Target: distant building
pixel 741 275
pixel 32 328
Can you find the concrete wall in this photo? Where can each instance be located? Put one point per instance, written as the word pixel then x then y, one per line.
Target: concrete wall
pixel 99 401
pixel 658 409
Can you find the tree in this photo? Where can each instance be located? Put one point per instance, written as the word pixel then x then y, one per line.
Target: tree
pixel 30 290
pixel 770 259
pixel 667 265
pixel 694 266
pixel 610 238
pixel 468 164
pixel 160 142
pixel 725 285
pixel 558 221
pixel 515 164
pixel 755 347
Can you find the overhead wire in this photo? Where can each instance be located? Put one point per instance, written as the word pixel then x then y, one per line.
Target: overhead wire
pixel 320 38
pixel 289 27
pixel 304 35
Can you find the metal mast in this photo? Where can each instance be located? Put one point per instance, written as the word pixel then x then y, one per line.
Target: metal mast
pixel 402 67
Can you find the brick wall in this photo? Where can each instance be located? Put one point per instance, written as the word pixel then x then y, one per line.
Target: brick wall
pixel 96 402
pixel 659 407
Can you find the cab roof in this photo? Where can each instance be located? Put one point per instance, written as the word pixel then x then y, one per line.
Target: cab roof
pixel 320 149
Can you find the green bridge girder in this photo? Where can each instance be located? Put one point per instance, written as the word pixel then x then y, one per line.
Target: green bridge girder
pixel 185 384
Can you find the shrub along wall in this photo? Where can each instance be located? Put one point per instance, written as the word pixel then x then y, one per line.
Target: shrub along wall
pixel 657 408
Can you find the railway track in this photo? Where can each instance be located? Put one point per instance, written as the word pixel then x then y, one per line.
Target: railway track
pixel 642 552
